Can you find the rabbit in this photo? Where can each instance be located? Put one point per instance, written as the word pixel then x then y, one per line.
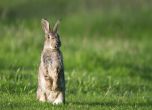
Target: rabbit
pixel 51 81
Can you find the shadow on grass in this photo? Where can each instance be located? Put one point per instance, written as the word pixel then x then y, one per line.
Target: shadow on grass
pixel 111 104
pixel 35 104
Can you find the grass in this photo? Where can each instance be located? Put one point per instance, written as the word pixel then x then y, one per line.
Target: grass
pixel 107 60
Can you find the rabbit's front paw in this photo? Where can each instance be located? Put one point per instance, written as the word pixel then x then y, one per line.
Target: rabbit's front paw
pixel 54 87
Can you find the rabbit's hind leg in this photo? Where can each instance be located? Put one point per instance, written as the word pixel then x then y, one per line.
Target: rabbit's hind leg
pixel 51 96
pixel 59 99
pixel 41 96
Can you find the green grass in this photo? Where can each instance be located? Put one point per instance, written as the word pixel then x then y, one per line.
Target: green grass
pixel 107 59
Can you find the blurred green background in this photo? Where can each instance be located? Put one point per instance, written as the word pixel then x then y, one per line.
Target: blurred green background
pixel 106 46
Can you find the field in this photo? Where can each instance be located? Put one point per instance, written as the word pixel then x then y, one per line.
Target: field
pixel 107 49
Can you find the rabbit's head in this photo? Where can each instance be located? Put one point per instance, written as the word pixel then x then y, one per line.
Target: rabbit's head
pixel 52 39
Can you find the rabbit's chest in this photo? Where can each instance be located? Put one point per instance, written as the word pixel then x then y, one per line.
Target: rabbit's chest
pixel 52 59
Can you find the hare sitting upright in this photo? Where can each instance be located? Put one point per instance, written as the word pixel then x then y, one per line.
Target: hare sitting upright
pixel 51 82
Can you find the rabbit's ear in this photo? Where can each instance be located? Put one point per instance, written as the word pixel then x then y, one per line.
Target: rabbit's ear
pixel 45 26
pixel 56 26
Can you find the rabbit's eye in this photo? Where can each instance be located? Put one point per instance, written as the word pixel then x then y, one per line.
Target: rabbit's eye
pixel 48 36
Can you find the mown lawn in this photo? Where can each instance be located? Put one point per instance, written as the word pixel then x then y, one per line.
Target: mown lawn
pixel 107 57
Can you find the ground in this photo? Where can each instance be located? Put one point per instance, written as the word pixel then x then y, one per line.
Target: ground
pixel 107 60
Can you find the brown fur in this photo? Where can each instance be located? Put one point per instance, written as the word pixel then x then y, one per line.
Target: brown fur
pixel 51 82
